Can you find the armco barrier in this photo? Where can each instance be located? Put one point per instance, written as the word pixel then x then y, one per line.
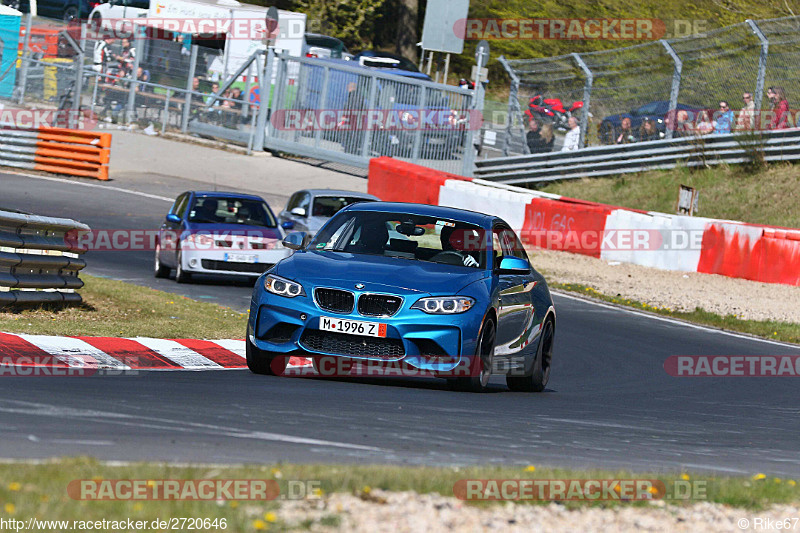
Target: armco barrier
pixel 603 161
pixel 733 249
pixel 59 151
pixel 37 263
pixel 393 180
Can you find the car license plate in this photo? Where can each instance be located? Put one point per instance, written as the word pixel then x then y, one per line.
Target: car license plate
pixel 353 327
pixel 241 258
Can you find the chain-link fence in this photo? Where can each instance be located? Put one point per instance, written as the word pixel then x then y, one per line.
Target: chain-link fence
pixel 661 89
pixel 324 109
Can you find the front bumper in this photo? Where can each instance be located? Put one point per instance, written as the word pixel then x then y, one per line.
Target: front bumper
pixel 220 263
pixel 427 342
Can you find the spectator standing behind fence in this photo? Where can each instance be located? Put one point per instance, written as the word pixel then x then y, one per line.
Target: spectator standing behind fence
pixel 704 124
pixel 724 118
pixel 625 133
pixel 648 130
pixel 144 76
pixel 537 143
pixel 102 55
pixel 572 140
pixel 747 115
pixel 126 59
pixel 780 108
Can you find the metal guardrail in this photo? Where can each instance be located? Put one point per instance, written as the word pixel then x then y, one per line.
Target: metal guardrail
pixel 630 158
pixel 38 263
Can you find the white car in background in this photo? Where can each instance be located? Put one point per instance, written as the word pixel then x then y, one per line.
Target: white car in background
pixel 104 15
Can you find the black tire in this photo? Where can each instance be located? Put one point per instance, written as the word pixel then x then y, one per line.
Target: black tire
pixel 159 270
pixel 181 276
pixel 264 363
pixel 70 13
pixel 481 365
pixel 540 374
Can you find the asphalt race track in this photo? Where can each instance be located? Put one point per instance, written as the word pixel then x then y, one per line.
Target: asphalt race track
pixel 610 402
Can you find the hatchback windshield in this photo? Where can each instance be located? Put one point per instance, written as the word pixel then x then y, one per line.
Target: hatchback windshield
pixel 403 236
pixel 327 206
pixel 220 210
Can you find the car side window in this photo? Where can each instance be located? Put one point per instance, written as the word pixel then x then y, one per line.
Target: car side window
pixel 140 4
pixel 179 207
pixel 506 240
pixel 294 201
pixel 300 199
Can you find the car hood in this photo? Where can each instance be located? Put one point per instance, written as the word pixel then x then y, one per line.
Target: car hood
pixel 377 273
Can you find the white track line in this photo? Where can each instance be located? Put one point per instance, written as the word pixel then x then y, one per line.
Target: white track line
pixel 94 186
pixel 74 352
pixel 673 320
pixel 178 353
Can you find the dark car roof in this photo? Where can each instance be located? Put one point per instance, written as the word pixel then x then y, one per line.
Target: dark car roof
pixel 223 194
pixel 338 192
pixel 462 215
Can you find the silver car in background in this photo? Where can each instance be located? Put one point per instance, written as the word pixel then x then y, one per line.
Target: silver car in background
pixel 309 209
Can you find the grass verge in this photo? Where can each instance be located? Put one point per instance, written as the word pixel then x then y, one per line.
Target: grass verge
pixel 769 196
pixel 781 331
pixel 114 308
pixel 40 490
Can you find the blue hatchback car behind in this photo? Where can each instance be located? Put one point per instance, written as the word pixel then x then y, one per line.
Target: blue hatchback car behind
pixel 428 288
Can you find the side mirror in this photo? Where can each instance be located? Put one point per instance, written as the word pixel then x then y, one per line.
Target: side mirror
pixel 514 266
pixel 175 219
pixel 299 211
pixel 287 224
pixel 296 240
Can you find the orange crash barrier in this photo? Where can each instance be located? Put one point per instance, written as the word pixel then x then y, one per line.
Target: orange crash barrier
pixel 57 150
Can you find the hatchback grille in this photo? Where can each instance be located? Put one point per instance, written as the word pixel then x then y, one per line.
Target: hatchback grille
pixel 378 304
pixel 335 300
pixel 352 345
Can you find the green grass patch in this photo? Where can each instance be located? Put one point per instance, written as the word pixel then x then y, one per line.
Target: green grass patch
pixel 782 331
pixel 114 308
pixel 40 491
pixel 768 196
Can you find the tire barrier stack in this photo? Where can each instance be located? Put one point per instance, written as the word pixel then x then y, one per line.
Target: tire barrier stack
pixel 38 262
pixel 56 150
pixel 672 242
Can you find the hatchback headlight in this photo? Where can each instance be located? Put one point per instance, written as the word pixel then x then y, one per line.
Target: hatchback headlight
pixel 444 305
pixel 283 287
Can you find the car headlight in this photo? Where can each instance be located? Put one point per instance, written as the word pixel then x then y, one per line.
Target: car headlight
pixel 444 305
pixel 283 287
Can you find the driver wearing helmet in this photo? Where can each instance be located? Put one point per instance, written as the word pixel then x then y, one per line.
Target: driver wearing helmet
pixel 454 241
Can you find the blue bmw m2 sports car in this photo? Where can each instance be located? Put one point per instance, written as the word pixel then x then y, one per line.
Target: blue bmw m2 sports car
pixel 430 288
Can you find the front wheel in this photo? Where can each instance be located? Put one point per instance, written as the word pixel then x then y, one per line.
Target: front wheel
pixel 481 365
pixel 181 276
pixel 70 13
pixel 264 363
pixel 159 269
pixel 540 375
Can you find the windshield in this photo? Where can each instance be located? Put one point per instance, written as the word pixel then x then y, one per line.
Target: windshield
pixel 220 210
pixel 327 206
pixel 403 236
